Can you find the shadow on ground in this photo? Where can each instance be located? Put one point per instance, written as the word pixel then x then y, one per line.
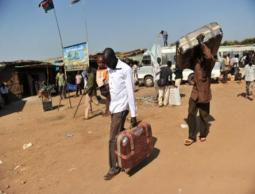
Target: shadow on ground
pixel 242 94
pixel 57 106
pixel 153 156
pixel 14 107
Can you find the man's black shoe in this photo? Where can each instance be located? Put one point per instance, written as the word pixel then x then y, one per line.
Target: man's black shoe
pixel 111 174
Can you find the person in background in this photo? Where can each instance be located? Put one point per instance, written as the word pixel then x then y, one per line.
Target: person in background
pixel 122 101
pixel 89 92
pixel 102 82
pixel 234 64
pixel 249 73
pixel 61 82
pixel 242 60
pixel 178 77
pixel 135 71
pixel 225 69
pixel 4 92
pixel 253 57
pixel 156 72
pixel 85 78
pixel 78 82
pixel 164 36
pixel 201 96
pixel 164 82
pixel 228 60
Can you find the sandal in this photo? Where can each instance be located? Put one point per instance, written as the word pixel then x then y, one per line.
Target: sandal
pixel 188 142
pixel 202 139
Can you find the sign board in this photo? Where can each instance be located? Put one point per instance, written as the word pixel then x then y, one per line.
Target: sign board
pixel 76 57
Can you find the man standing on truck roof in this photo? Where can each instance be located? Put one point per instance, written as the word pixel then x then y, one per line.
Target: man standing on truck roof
pixel 165 37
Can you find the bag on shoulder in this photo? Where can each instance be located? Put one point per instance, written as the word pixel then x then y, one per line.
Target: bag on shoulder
pixel 105 90
pixel 162 77
pixel 161 82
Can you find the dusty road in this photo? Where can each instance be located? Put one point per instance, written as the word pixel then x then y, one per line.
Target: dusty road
pixel 70 156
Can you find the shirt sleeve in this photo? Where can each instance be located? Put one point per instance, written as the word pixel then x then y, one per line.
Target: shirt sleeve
pixel 130 92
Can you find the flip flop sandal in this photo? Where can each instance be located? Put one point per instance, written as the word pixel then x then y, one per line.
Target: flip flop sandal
pixel 188 142
pixel 202 139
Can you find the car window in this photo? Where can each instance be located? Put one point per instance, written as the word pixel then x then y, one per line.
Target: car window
pixel 168 57
pixel 146 61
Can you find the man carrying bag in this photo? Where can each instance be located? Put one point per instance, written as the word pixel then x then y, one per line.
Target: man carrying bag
pixel 164 83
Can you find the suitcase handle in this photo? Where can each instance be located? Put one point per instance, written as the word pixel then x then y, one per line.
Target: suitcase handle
pixel 131 141
pixel 146 131
pixel 124 156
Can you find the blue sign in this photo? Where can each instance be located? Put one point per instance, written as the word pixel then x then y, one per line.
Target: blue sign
pixel 76 57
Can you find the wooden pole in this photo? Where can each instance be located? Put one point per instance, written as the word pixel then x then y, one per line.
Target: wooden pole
pixel 78 105
pixel 47 75
pixel 59 32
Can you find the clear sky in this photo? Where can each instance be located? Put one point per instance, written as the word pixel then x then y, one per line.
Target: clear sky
pixel 26 32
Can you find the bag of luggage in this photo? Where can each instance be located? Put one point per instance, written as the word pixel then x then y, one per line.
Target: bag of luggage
pixel 188 43
pixel 133 146
pixel 174 97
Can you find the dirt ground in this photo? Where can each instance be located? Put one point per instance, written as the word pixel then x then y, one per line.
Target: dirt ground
pixel 70 156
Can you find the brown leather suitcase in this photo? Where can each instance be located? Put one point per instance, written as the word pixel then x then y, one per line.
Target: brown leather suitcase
pixel 133 146
pixel 187 44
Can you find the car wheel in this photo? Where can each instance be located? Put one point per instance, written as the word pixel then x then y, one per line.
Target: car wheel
pixel 191 79
pixel 148 81
pixel 140 83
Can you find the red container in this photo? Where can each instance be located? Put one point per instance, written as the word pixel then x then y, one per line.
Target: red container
pixel 133 146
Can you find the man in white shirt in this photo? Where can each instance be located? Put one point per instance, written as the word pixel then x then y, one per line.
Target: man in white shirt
pixel 234 63
pixel 78 80
pixel 249 72
pixel 84 74
pixel 122 101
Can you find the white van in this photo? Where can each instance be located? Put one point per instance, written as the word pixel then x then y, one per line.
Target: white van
pixel 145 70
pixel 168 53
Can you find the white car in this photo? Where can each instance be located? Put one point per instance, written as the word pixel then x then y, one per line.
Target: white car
pixel 145 74
pixel 188 74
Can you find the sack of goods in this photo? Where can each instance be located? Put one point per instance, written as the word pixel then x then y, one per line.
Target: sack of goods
pixel 187 45
pixel 174 97
pixel 133 146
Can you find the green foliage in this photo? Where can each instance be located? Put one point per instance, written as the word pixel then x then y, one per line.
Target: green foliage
pixel 235 42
